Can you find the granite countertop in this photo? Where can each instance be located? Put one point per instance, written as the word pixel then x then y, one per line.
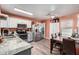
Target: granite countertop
pixel 13 45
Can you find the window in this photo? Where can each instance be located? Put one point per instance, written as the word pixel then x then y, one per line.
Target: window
pixel 66 27
pixel 54 28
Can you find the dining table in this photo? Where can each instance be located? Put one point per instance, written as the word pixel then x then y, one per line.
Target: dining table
pixel 60 40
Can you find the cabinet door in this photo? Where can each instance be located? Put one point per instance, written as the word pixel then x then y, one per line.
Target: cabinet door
pixel 28 22
pixel 12 22
pixel 3 23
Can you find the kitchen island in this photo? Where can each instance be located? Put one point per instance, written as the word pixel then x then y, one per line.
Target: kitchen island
pixel 14 46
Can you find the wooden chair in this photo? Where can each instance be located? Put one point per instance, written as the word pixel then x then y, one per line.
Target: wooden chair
pixel 55 44
pixel 69 47
pixel 51 43
pixel 51 46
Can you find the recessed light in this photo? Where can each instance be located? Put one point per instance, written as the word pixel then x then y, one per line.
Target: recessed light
pixel 22 11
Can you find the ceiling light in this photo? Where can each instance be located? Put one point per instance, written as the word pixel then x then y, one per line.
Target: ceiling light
pixel 53 8
pixel 52 17
pixel 19 10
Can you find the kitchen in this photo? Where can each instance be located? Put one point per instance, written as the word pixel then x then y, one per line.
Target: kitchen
pixel 16 33
pixel 29 29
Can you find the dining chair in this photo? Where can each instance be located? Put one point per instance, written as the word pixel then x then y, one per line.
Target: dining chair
pixel 69 47
pixel 51 43
pixel 55 44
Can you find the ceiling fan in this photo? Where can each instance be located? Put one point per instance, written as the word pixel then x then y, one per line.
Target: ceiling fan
pixel 53 16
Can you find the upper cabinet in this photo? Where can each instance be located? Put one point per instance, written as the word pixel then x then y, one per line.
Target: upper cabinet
pixel 3 23
pixel 3 20
pixel 12 22
pixel 27 22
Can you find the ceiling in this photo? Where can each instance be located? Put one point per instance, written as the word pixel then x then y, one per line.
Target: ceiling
pixel 42 11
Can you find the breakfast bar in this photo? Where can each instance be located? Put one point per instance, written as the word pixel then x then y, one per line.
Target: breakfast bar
pixel 14 46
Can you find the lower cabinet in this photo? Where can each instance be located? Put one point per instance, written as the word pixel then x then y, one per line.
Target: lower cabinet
pixel 25 52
